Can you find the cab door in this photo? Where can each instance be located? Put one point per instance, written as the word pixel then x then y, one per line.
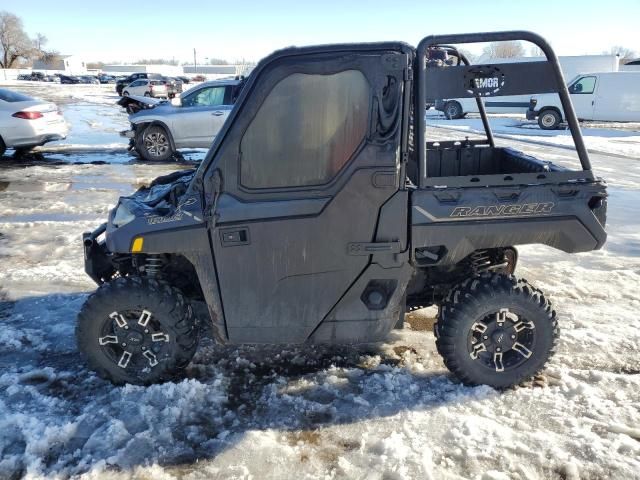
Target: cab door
pixel 583 95
pixel 200 117
pixel 310 157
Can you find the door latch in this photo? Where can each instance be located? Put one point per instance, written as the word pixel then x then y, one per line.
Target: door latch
pixel 234 236
pixel 363 248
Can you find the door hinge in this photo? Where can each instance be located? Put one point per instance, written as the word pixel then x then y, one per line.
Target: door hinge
pixel 363 248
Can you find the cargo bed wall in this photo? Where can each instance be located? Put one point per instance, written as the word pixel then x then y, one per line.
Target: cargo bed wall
pixel 449 224
pixel 482 160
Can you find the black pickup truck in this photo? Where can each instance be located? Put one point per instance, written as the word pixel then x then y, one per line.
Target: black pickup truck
pixel 321 213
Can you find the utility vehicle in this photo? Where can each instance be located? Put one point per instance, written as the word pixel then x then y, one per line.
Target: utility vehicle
pixel 321 213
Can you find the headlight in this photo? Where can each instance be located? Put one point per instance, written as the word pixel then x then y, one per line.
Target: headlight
pixel 122 216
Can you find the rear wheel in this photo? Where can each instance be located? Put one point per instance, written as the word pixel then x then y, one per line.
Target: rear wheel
pixel 147 94
pixel 137 330
pixel 549 119
pixel 453 110
pixel 496 330
pixel 153 144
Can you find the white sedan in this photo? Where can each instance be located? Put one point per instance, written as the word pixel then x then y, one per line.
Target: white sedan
pixel 26 122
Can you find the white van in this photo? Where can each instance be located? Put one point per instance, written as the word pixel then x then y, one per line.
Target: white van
pixel 607 96
pixel 571 66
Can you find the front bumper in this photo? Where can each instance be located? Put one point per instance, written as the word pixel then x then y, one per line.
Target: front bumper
pixel 127 133
pixel 96 259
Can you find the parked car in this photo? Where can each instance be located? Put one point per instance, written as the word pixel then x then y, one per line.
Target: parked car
pixel 147 88
pixel 37 76
pixel 121 83
pixel 89 79
pixel 106 79
pixel 33 76
pixel 183 78
pixel 26 122
pixel 174 86
pixel 159 128
pixel 605 96
pixel 67 79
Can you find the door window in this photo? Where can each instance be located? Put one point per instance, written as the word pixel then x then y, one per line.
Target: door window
pixel 306 130
pixel 205 97
pixel 583 85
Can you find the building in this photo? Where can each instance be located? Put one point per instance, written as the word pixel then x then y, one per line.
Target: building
pixel 167 70
pixel 213 72
pixel 67 64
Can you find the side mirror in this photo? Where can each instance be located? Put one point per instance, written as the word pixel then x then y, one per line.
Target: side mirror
pixel 176 101
pixel 577 88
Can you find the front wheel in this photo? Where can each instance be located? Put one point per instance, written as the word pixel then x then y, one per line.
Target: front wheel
pixel 496 330
pixel 453 110
pixel 137 330
pixel 549 120
pixel 153 144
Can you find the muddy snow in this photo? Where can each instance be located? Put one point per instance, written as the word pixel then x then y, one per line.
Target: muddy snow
pixel 383 411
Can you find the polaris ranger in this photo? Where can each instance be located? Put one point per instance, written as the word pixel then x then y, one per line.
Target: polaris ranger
pixel 321 213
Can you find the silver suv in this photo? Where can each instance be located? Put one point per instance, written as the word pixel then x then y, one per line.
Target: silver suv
pixel 192 120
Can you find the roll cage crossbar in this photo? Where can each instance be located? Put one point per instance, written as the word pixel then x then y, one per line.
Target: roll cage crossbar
pixel 453 82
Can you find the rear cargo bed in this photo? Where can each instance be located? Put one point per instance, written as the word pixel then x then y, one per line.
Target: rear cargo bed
pixel 448 224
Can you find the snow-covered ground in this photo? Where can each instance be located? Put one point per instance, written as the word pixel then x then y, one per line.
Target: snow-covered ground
pixel 383 411
pixel 600 137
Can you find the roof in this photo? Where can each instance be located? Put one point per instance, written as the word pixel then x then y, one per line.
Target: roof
pixel 220 82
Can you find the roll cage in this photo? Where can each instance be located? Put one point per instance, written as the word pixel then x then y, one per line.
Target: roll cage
pixel 487 80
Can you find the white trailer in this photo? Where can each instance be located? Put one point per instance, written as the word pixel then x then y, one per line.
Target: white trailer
pixel 571 67
pixel 603 96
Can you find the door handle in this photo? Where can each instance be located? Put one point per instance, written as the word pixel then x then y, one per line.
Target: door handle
pixel 217 113
pixel 234 236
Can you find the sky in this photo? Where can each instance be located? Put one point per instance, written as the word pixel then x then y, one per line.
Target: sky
pixel 127 30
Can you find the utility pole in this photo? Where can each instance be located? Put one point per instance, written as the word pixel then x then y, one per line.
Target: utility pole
pixel 195 63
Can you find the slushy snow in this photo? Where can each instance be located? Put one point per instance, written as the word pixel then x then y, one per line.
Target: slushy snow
pixel 382 411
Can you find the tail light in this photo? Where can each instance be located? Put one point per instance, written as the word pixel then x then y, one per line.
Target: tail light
pixel 27 115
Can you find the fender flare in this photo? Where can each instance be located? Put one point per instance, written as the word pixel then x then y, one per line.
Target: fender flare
pixel 146 124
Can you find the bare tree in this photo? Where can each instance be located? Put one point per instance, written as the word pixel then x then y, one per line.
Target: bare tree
pixel 15 44
pixel 95 65
pixel 472 57
pixel 156 61
pixel 218 61
pixel 40 41
pixel 625 54
pixel 508 49
pixel 536 51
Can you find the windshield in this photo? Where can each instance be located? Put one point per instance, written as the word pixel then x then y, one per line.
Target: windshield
pixel 9 96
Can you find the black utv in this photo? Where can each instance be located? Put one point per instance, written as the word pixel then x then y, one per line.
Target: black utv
pixel 321 213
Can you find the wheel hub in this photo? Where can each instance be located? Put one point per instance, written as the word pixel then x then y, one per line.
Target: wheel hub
pixel 156 144
pixel 501 340
pixel 134 339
